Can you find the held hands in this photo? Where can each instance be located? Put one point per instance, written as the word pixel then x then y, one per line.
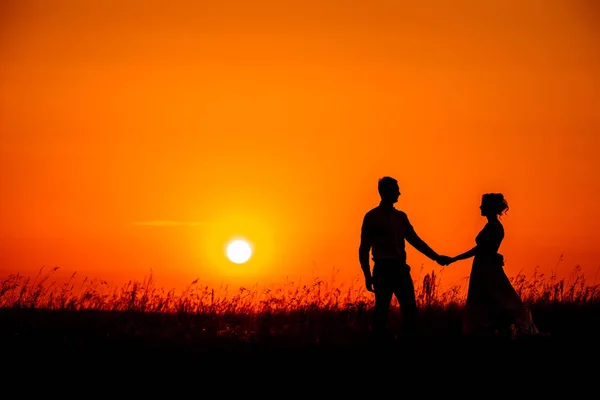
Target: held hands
pixel 444 260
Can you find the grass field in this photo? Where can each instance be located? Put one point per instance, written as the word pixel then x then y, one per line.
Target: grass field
pixel 288 324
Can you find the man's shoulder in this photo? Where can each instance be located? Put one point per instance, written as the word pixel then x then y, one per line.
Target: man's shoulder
pixel 373 212
pixel 379 210
pixel 368 216
pixel 400 212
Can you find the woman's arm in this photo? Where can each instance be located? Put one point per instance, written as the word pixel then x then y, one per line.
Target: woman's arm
pixel 465 255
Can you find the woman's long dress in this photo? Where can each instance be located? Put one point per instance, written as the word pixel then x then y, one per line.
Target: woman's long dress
pixel 492 302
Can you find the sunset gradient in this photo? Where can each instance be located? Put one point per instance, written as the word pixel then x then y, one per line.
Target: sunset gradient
pixel 143 136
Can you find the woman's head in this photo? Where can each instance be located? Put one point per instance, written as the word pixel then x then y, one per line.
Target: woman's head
pixel 493 204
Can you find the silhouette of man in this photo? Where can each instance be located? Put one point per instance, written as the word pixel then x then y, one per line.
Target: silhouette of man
pixel 383 232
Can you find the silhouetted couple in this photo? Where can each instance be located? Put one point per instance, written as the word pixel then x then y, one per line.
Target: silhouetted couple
pixel 492 306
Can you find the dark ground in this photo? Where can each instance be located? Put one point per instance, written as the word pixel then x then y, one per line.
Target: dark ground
pixel 38 343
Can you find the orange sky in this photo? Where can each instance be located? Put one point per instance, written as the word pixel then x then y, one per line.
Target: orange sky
pixel 143 136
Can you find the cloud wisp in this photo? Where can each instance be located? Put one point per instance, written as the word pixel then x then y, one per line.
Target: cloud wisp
pixel 160 223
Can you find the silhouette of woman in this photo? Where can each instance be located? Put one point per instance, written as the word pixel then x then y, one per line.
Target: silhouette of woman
pixel 493 305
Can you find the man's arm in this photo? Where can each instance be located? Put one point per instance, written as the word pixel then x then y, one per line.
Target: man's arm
pixel 418 243
pixel 366 241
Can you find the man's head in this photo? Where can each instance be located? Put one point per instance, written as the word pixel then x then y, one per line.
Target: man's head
pixel 388 189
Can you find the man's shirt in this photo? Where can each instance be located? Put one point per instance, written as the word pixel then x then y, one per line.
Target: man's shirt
pixel 383 231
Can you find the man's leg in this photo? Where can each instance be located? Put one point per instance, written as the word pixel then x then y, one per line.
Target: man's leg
pixel 383 298
pixel 405 293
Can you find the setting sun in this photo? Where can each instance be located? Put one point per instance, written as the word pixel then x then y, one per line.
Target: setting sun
pixel 239 251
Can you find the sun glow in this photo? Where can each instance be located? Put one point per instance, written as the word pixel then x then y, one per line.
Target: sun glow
pixel 239 251
pixel 226 226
